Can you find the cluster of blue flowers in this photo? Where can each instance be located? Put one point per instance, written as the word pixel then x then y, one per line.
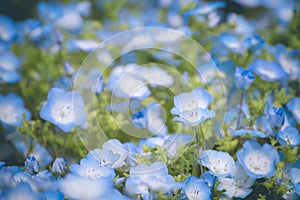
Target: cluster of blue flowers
pixel 256 150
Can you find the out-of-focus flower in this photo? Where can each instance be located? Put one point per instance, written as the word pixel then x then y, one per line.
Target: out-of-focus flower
pixel 59 165
pixel 74 45
pixel 12 110
pixel 192 108
pixel 219 163
pixel 195 188
pixel 243 78
pixel 259 161
pixel 294 107
pixel 253 42
pixel 275 116
pixel 295 177
pixel 268 70
pixel 155 76
pixel 146 180
pixel 32 165
pixel 68 69
pixel 8 29
pixel 239 186
pixel 241 24
pixel 20 191
pixel 9 64
pixel 252 133
pixel 90 168
pixel 289 136
pixel 64 109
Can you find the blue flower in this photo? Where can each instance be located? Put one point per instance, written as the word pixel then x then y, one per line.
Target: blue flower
pixel 12 110
pixel 149 117
pixel 32 165
pixel 289 136
pixel 206 8
pixel 195 188
pixel 239 186
pixel 294 107
pixel 219 163
pixel 258 161
pixel 8 30
pixel 155 76
pixel 104 157
pixel 146 180
pixel 243 78
pixel 20 191
pixel 90 168
pixel 295 178
pixel 268 70
pixel 59 165
pixel 68 69
pixel 275 116
pixel 64 109
pixel 252 133
pixel 253 42
pixel 74 45
pixel 9 64
pixel 192 107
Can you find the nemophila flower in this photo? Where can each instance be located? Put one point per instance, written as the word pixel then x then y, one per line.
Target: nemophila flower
pixel 52 195
pixel 294 107
pixel 90 168
pixel 241 24
pixel 155 76
pixel 20 191
pixel 259 161
pixel 205 8
pixel 76 187
pixel 219 163
pixel 275 116
pixel 147 180
pixel 231 42
pixel 253 42
pixel 268 70
pixel 9 65
pixel 288 60
pixel 289 136
pixel 295 178
pixel 239 186
pixel 149 117
pixel 192 108
pixel 12 110
pixel 74 45
pixel 195 188
pixel 68 68
pixel 124 82
pixel 104 157
pixel 59 165
pixel 41 36
pixel 63 82
pixel 64 109
pixel 243 78
pixel 32 165
pixel 8 29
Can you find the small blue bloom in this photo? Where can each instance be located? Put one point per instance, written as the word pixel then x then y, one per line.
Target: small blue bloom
pixel 63 82
pixel 8 30
pixel 41 36
pixel 253 42
pixel 90 168
pixel 275 116
pixel 289 136
pixel 241 24
pixel 104 157
pixel 155 76
pixel 268 70
pixel 295 178
pixel 9 64
pixel 196 189
pixel 20 191
pixel 192 108
pixel 294 107
pixel 12 110
pixel 59 165
pixel 252 133
pixel 206 8
pixel 243 78
pixel 259 161
pixel 219 163
pixel 74 45
pixel 32 165
pixel 64 109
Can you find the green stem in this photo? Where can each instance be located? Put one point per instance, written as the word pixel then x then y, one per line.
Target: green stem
pixel 240 110
pixel 199 150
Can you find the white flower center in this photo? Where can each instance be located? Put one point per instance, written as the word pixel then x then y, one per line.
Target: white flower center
pixel 8 114
pixel 219 166
pixel 92 173
pixel 63 113
pixel 258 163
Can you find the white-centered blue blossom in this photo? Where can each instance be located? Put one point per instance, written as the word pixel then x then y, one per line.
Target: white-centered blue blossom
pixel 295 178
pixel 243 78
pixel 239 186
pixel 104 157
pixel 90 168
pixel 192 108
pixel 268 70
pixel 195 189
pixel 9 65
pixel 294 107
pixel 8 29
pixel 12 110
pixel 289 136
pixel 64 109
pixel 259 161
pixel 220 164
pixel 147 180
pixel 275 116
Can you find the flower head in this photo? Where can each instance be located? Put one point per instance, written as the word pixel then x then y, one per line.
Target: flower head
pixel 32 165
pixel 192 108
pixel 64 109
pixel 289 136
pixel 196 189
pixel 259 161
pixel 59 165
pixel 294 107
pixel 243 78
pixel 275 116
